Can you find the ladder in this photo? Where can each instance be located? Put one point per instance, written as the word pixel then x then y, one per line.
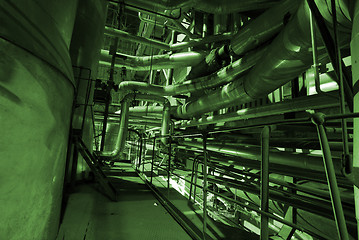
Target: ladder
pixel 95 167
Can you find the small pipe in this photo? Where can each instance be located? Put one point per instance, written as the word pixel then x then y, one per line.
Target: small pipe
pixel 347 163
pixel 205 188
pixel 318 120
pixel 264 190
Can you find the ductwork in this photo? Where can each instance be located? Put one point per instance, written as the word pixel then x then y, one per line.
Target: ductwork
pixel 287 56
pixel 156 62
pixel 225 75
pixel 124 119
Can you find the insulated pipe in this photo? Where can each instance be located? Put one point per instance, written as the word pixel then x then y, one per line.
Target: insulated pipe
pixel 253 34
pixel 124 119
pixel 292 105
pixel 156 62
pixel 129 37
pixel 263 27
pixel 225 75
pixel 355 72
pixel 295 160
pixel 209 6
pixel 287 56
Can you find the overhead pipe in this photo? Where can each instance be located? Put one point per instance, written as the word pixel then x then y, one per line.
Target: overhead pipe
pixel 253 34
pixel 156 62
pixel 165 46
pixel 292 105
pixel 295 160
pixel 287 56
pixel 225 75
pixel 124 120
pixel 142 40
pixel 209 6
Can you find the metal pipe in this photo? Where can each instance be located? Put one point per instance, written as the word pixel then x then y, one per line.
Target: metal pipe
pixel 225 75
pixel 355 76
pixel 295 160
pixel 346 154
pixel 318 120
pixel 156 62
pixel 264 27
pixel 264 190
pixel 205 188
pixel 293 105
pixel 150 21
pixel 209 6
pixel 129 37
pixel 287 56
pixel 124 119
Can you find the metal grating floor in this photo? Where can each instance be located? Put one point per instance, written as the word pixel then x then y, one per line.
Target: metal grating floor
pixel 136 215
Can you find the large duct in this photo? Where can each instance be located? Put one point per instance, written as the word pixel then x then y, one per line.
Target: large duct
pixel 36 96
pixel 287 56
pixel 124 119
pixel 225 75
pixel 156 62
pixel 264 27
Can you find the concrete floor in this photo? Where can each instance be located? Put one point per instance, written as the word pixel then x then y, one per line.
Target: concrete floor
pixel 136 215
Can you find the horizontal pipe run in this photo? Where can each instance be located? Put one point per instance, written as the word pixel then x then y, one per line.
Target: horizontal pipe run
pixel 288 55
pixel 129 37
pixel 293 105
pixel 225 75
pixel 296 160
pixel 156 62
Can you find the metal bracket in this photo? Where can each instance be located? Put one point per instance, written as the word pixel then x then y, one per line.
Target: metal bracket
pixel 353 177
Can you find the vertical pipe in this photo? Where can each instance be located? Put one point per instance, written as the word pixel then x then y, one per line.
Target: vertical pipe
pixel 204 185
pixel 264 190
pixel 169 166
pixel 354 48
pixel 153 156
pixel 346 156
pixel 318 120
pixel 108 92
pixel 314 52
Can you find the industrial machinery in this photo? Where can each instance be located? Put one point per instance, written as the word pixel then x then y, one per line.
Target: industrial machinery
pixel 248 109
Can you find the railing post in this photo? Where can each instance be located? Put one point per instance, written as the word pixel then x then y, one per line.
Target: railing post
pixel 264 190
pixel 140 155
pixel 318 119
pixel 153 156
pixel 204 185
pixel 169 165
